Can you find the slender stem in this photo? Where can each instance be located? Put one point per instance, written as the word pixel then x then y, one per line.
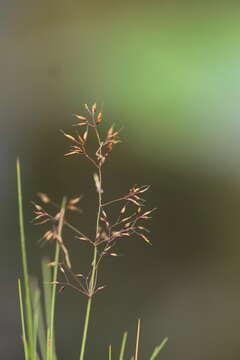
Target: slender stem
pixel 22 321
pixel 113 201
pixel 93 275
pixel 123 345
pixel 89 303
pixel 158 349
pixel 72 286
pixel 110 352
pixel 70 226
pixel 85 328
pixel 93 280
pixel 54 279
pixel 48 344
pixel 52 317
pixel 29 320
pixel 89 158
pixel 137 340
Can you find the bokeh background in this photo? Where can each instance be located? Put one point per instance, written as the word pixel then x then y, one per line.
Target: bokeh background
pixel 168 73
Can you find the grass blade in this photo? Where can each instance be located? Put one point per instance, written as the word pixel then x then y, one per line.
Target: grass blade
pixel 29 321
pixel 36 310
pixel 158 349
pixel 123 345
pixel 48 349
pixel 47 278
pixel 22 321
pixel 41 334
pixel 137 340
pixel 46 314
pixel 110 352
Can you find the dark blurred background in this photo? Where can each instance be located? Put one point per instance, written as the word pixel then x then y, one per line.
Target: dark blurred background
pixel 168 73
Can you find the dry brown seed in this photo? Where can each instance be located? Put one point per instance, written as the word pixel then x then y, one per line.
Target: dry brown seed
pixel 145 238
pixel 108 148
pixel 94 108
pixel 86 107
pixel 116 234
pixel 134 201
pixel 71 153
pixel 114 142
pixel 110 131
pixel 138 198
pixel 85 135
pixel 104 213
pixel 127 218
pixel 77 148
pixel 62 288
pixel 97 183
pixel 79 275
pixel 39 216
pixel 100 288
pixel 149 212
pixel 72 208
pixel 81 139
pixel 113 134
pixel 99 118
pixel 38 212
pixel 144 189
pixel 38 207
pixel 80 117
pixel 48 235
pixel 70 137
pixel 75 200
pixel 43 222
pixel 82 124
pixel 53 264
pixel 142 228
pixel 43 197
pixel 123 209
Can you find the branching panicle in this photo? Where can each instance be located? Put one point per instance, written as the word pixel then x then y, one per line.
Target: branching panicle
pixel 108 231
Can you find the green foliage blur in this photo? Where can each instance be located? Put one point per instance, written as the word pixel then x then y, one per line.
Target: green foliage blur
pixel 167 73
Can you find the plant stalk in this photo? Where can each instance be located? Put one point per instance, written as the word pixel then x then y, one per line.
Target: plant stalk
pixel 29 320
pixel 93 275
pixel 26 354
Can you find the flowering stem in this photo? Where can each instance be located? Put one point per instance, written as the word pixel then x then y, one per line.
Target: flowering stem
pixel 93 279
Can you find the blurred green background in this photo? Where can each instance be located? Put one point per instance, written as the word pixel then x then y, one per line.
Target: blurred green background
pixel 168 73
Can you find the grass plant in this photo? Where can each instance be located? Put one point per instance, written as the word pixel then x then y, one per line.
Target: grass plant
pixel 37 303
